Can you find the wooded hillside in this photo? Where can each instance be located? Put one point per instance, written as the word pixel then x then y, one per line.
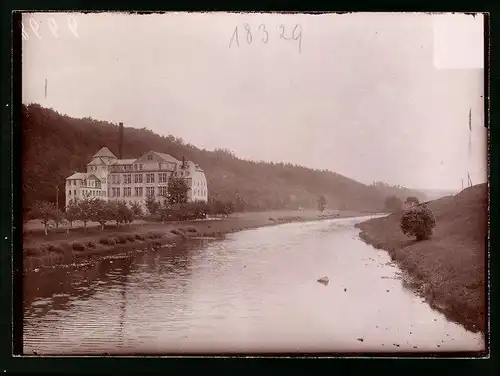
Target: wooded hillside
pixel 54 146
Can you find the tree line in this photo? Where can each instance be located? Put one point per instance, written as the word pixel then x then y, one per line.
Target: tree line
pixel 173 206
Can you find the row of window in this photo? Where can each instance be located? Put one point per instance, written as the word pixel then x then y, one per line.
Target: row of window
pixel 127 192
pixel 138 191
pixel 86 183
pixel 87 192
pixel 138 166
pixel 140 178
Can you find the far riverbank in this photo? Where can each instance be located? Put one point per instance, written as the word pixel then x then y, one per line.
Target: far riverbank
pixel 61 247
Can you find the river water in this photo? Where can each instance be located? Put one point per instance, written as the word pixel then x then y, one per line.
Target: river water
pixel 255 291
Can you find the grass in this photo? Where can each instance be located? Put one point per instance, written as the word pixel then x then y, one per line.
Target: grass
pixel 449 267
pixel 39 248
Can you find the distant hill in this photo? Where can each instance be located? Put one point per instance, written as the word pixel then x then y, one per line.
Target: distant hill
pixel 55 145
pixel 399 191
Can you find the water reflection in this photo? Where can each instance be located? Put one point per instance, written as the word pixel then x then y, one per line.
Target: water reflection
pixel 254 291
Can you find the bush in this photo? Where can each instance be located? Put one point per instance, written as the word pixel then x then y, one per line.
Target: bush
pixel 154 235
pixel 33 251
pixel 107 241
pixel 139 237
pixel 418 221
pixel 47 247
pixel 156 244
pixel 121 239
pixel 90 244
pixel 130 238
pixel 77 246
pixel 176 232
pixel 192 229
pixel 58 249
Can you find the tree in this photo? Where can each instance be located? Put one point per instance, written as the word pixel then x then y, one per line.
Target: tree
pixel 321 203
pixel 412 200
pixel 120 212
pixel 177 191
pixel 136 209
pixel 127 213
pixel 44 211
pixel 165 210
pixel 72 213
pixel 228 208
pixel 101 212
pixel 393 204
pixel 152 205
pixel 200 209
pixel 418 221
pixel 85 211
pixel 218 207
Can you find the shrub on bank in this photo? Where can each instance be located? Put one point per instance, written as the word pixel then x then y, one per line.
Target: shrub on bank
pixel 156 244
pixel 58 249
pixel 107 241
pixel 418 221
pixel 77 246
pixel 139 237
pixel 90 244
pixel 176 232
pixel 33 251
pixel 121 239
pixel 130 238
pixel 154 235
pixel 192 229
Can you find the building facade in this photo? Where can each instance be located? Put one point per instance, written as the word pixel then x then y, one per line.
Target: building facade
pixel 133 180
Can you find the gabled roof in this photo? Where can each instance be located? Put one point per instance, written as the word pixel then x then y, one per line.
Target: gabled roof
pixel 83 176
pixel 166 157
pixel 96 161
pixel 124 162
pixel 78 175
pixel 92 176
pixel 104 152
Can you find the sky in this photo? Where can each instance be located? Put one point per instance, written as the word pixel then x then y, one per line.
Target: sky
pixel 381 97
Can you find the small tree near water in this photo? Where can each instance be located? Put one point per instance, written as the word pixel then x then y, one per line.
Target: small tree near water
pixel 418 221
pixel 44 211
pixel 321 203
pixel 72 213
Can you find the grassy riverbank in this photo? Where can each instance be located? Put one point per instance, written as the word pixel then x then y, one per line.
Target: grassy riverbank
pixel 61 247
pixel 448 269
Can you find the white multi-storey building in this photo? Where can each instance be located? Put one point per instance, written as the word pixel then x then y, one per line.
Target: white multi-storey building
pixel 133 180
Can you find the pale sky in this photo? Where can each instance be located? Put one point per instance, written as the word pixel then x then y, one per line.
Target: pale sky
pixel 370 96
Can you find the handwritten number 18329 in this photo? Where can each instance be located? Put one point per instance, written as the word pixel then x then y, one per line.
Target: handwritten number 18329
pixel 263 34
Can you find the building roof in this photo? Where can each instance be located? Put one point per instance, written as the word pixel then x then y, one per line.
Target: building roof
pixel 83 176
pixel 124 162
pixel 96 161
pixel 166 157
pixel 104 152
pixel 78 175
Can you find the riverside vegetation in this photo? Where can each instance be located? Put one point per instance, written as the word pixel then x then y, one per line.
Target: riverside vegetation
pixel 447 265
pixel 81 243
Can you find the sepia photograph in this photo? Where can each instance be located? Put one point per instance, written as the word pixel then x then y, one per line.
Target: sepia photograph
pixel 206 183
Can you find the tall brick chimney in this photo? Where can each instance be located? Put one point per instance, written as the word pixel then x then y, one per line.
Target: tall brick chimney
pixel 120 142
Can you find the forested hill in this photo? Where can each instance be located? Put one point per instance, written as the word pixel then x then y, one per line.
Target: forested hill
pixel 54 146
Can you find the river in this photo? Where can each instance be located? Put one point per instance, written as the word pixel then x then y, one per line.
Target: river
pixel 255 291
